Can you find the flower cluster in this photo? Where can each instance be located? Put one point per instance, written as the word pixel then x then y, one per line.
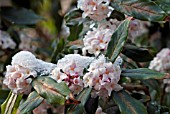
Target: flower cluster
pixel 17 79
pixel 103 76
pixel 95 9
pixel 137 28
pixel 6 41
pixel 97 40
pixel 70 69
pixel 162 61
pixel 24 65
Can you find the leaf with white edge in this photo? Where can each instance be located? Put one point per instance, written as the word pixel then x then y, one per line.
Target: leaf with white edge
pixel 10 106
pixel 33 101
pixel 118 40
pixel 83 97
pixel 20 16
pixel 53 92
pixel 127 104
pixel 142 74
pixel 140 9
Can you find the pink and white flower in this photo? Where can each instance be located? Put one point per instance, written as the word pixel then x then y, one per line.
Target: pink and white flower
pixel 162 61
pixel 17 79
pixel 95 9
pixel 103 77
pixel 70 70
pixel 97 40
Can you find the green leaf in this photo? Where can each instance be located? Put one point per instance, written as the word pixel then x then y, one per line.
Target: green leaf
pixel 127 104
pixel 33 101
pixel 20 16
pixel 10 106
pixel 164 5
pixel 52 91
pixel 142 73
pixel 72 15
pixel 137 54
pixel 75 31
pixel 118 15
pixel 4 95
pixel 58 49
pixel 140 9
pixel 118 40
pixel 154 89
pixel 83 97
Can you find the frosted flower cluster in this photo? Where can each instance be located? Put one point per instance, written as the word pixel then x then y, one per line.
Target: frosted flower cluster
pixel 103 77
pixel 24 64
pixel 162 61
pixel 95 9
pixel 6 41
pixel 97 40
pixel 70 70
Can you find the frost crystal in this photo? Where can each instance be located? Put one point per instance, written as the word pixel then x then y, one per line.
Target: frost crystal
pixel 28 60
pixel 103 77
pixel 95 9
pixel 6 41
pixel 70 69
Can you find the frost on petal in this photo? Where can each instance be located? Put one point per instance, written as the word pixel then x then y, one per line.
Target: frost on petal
pixel 27 60
pixel 103 77
pixel 70 70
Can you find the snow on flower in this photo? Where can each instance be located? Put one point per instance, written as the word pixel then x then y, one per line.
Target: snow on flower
pixel 17 79
pixel 162 61
pixel 95 9
pixel 6 41
pixel 27 60
pixel 24 65
pixel 97 40
pixel 70 69
pixel 103 77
